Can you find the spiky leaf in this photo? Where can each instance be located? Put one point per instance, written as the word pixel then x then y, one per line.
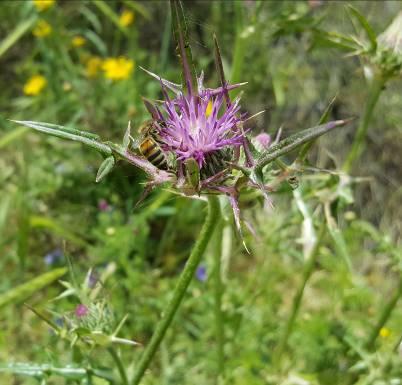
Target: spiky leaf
pixel 104 169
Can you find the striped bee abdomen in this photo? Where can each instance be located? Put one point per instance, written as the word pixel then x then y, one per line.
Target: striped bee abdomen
pixel 151 150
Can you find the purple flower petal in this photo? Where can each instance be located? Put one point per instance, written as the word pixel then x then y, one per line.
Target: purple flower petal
pixel 201 273
pixel 81 310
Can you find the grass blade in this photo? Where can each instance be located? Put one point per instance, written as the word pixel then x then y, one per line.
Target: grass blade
pixel 4 207
pixel 16 34
pixel 110 14
pixel 45 222
pixel 11 136
pixel 25 290
pixel 138 7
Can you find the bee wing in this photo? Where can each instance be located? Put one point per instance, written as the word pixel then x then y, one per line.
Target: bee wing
pixel 135 142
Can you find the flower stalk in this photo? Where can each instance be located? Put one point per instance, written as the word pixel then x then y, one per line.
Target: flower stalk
pixel 119 365
pixel 384 316
pixel 185 278
pixel 359 141
pixel 218 293
pixel 307 272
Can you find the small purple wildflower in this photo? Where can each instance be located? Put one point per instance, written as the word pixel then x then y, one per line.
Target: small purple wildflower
pixel 201 273
pixel 81 311
pixel 53 257
pixel 103 205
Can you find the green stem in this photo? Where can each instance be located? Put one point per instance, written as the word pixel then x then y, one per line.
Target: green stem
pixel 240 46
pixel 119 364
pixel 397 345
pixel 384 316
pixel 218 289
pixel 308 270
pixel 358 142
pixel 180 289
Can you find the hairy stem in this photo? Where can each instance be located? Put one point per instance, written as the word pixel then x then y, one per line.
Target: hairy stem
pixel 119 364
pixel 384 316
pixel 184 280
pixel 307 272
pixel 361 133
pixel 218 291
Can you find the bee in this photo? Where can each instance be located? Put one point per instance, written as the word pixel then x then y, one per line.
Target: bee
pixel 149 146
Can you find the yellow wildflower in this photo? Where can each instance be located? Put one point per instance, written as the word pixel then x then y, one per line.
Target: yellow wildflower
pixel 78 41
pixel 35 85
pixel 385 332
pixel 41 5
pixel 42 29
pixel 126 18
pixel 117 68
pixel 93 65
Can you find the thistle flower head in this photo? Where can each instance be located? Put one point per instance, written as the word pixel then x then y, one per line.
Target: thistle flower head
pixel 195 126
pixel 203 131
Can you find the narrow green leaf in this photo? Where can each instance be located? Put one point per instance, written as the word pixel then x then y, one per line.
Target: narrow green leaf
pixel 92 17
pixel 296 140
pixel 48 223
pixel 44 317
pixel 104 169
pixel 84 137
pixel 244 34
pixel 325 38
pixel 23 212
pixel 19 31
pixel 110 14
pixel 138 7
pixel 365 25
pixel 4 206
pixel 340 245
pixel 11 136
pixel 96 41
pixel 24 291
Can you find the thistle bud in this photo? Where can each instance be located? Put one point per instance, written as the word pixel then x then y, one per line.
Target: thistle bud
pixel 262 141
pixel 391 38
pixel 389 54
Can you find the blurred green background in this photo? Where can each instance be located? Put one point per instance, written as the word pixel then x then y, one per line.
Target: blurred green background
pixel 78 63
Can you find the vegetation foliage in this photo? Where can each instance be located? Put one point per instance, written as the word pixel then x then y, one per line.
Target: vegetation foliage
pixel 95 287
